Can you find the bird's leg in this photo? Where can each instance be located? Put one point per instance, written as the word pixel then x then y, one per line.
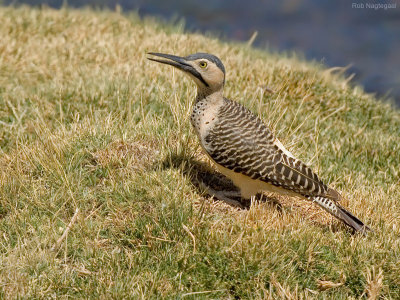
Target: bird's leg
pixel 261 198
pixel 223 195
pixel 235 194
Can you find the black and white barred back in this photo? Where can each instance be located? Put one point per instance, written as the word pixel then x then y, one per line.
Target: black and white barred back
pixel 241 142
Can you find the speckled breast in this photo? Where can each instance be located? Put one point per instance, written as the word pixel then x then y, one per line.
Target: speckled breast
pixel 203 118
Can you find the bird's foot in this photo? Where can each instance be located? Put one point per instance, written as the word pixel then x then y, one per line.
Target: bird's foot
pixel 225 196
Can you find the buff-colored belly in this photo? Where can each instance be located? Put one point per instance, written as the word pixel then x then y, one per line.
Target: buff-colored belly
pixel 250 187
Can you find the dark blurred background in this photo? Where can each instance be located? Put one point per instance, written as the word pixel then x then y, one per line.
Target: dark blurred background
pixel 336 33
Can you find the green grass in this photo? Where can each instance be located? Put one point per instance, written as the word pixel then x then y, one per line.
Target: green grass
pixel 87 124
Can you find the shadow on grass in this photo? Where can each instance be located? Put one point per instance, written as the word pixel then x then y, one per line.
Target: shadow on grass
pixel 200 174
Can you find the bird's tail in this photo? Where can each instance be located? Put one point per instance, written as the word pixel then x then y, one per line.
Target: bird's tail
pixel 342 214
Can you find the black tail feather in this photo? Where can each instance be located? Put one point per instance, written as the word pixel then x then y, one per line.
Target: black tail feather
pixel 351 220
pixel 342 214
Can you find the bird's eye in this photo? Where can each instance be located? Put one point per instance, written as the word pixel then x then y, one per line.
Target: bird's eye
pixel 203 64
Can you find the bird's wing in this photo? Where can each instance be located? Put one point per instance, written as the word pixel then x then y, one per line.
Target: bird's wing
pixel 241 142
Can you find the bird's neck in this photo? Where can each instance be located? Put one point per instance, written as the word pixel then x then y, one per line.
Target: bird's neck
pixel 205 93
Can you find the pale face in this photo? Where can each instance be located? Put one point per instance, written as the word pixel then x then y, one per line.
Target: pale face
pixel 211 74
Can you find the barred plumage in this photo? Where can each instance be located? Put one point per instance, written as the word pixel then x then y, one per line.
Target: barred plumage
pixel 241 145
pixel 241 142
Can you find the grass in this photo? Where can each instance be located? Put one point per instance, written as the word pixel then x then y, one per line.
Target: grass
pixel 88 125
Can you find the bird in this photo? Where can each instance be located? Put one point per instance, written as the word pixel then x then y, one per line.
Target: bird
pixel 243 148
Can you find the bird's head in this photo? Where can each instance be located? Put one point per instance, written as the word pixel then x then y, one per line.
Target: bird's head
pixel 205 69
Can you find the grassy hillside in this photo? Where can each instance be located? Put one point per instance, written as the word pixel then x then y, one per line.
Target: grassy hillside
pixel 96 143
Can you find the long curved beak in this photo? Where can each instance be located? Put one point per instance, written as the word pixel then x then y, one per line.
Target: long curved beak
pixel 178 62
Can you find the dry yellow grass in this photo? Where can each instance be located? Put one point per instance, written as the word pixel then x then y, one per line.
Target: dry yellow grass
pixel 87 124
